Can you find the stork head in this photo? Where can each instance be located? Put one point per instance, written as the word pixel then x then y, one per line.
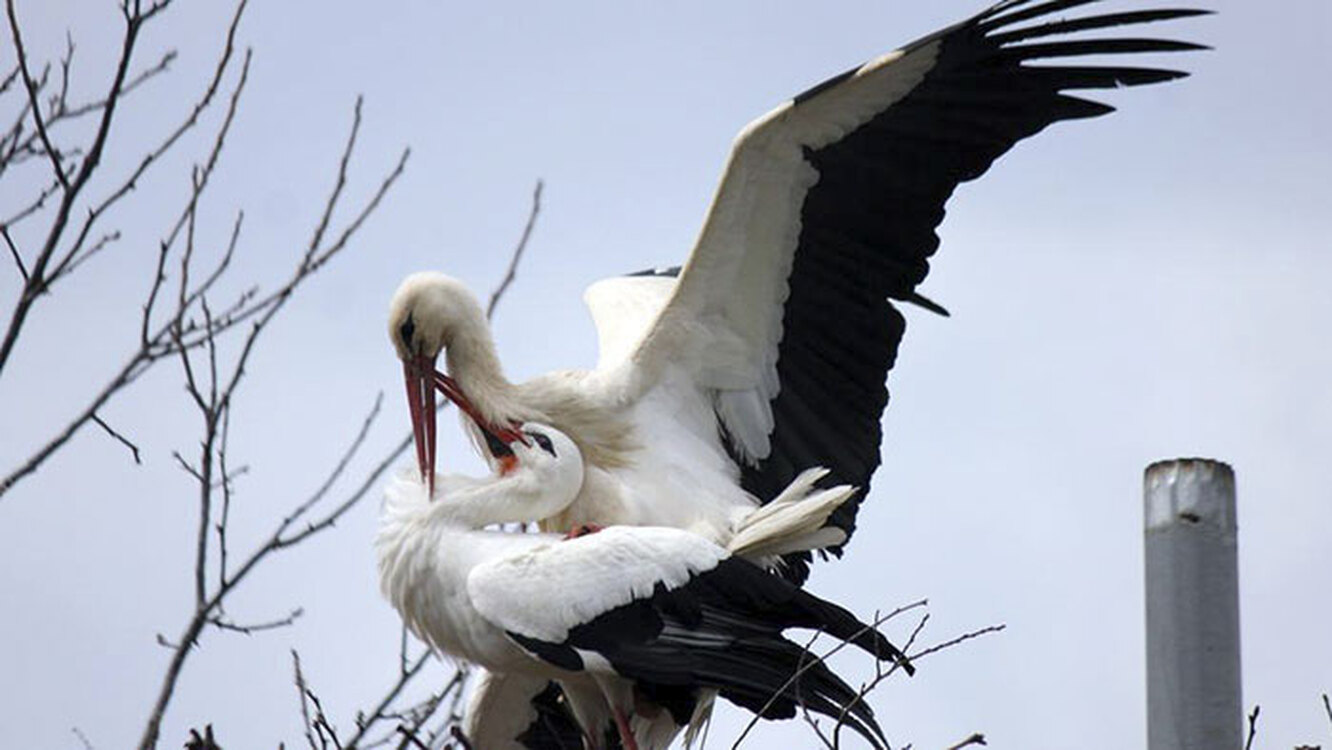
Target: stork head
pixel 426 313
pixel 548 470
pixel 429 314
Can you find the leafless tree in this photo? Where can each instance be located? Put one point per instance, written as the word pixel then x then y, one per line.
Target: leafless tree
pixel 53 226
pixel 1252 719
pixel 62 214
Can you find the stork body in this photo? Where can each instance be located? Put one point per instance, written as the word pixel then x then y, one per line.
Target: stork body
pixel 769 354
pixel 624 618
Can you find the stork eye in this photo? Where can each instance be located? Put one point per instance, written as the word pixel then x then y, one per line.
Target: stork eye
pixel 542 441
pixel 407 330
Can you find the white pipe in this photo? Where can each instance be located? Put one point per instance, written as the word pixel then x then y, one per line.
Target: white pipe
pixel 1192 582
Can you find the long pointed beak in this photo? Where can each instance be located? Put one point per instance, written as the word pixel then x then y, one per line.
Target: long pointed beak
pixel 421 403
pixel 449 387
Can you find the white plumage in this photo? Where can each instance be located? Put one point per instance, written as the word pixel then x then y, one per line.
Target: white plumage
pixel 717 392
pixel 531 608
pixel 769 354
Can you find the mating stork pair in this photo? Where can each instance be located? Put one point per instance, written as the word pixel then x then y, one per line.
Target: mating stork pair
pixel 717 391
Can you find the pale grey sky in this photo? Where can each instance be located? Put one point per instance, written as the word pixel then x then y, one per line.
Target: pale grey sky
pixel 1145 285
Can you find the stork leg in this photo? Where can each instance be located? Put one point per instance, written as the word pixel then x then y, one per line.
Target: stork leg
pixel 626 734
pixel 582 529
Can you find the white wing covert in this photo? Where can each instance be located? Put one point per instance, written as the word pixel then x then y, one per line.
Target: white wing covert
pixel 545 592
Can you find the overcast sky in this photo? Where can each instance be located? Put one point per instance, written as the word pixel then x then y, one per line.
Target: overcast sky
pixel 1145 285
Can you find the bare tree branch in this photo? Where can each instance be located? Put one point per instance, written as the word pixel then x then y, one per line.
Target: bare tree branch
pixel 34 108
pixel 1253 727
pixel 134 449
pixel 283 622
pixel 518 249
pixel 460 738
pixel 318 725
pixel 975 739
pixel 18 259
pixel 33 206
pixel 227 477
pixel 66 112
pixel 988 629
pixel 177 334
pixel 275 543
pixel 364 724
pixel 37 280
pixel 806 666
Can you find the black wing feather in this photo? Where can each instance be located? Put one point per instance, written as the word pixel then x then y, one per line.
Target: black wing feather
pixel 868 224
pixel 722 630
pixel 554 727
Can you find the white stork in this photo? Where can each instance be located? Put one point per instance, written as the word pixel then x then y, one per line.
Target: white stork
pixel 770 353
pixel 635 623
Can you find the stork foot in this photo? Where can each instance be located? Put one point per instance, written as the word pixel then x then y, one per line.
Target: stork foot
pixel 582 529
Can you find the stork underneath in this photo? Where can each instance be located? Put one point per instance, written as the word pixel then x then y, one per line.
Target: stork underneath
pixel 637 624
pixel 769 353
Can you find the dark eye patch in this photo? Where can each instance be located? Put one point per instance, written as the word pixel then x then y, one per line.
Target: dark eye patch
pixel 542 441
pixel 407 330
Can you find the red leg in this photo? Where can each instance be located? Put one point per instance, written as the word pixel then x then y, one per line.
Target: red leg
pixel 582 529
pixel 626 734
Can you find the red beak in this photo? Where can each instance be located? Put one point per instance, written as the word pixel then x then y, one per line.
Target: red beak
pixel 449 387
pixel 422 380
pixel 421 404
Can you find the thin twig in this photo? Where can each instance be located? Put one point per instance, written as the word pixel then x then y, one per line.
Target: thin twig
pixel 290 619
pixel 276 542
pixel 164 343
pixel 18 259
pixel 364 725
pixel 460 738
pixel 409 738
pixel 225 518
pixel 955 641
pixel 1253 727
pixel 402 650
pixel 518 249
pixel 72 113
pixel 303 693
pixel 975 739
pixel 131 182
pixel 37 276
pixel 879 676
pixel 31 87
pixel 33 206
pixel 83 738
pixel 800 671
pixel 187 466
pixel 134 449
pixel 338 468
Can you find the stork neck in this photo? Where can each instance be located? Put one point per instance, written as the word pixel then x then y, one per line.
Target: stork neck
pixel 518 498
pixel 473 362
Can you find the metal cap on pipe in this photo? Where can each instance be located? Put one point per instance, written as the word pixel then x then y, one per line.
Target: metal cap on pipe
pixel 1194 490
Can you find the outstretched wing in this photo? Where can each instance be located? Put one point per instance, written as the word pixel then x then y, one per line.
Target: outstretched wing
pixel 624 307
pixel 827 210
